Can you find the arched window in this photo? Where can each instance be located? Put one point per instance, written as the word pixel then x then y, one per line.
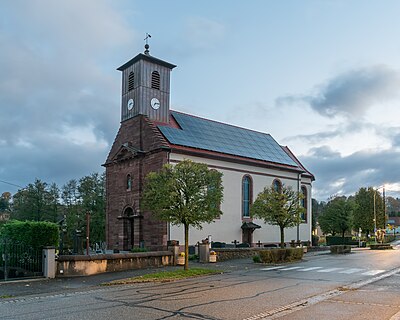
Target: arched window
pixel 277 185
pixel 155 80
pixel 247 191
pixel 304 203
pixel 128 182
pixel 131 81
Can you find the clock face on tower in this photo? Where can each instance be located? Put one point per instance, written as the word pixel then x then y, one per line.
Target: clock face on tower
pixel 155 103
pixel 131 104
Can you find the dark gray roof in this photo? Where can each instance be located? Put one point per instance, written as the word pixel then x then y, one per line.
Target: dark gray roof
pixel 146 57
pixel 210 135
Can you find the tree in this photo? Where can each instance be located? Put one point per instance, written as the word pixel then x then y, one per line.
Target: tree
pixel 364 214
pixel 187 194
pixel 278 207
pixel 336 216
pixel 37 202
pixel 86 196
pixel 92 196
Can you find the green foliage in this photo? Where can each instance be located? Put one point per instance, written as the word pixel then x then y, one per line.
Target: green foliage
pixel 336 216
pixel 37 202
pixel 193 257
pixel 257 259
pixel 364 210
pixel 281 255
pixel 278 207
pixel 33 233
pixel 187 194
pixel 79 198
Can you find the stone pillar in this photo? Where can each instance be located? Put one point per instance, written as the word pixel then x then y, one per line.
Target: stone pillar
pixel 173 245
pixel 204 252
pixel 49 262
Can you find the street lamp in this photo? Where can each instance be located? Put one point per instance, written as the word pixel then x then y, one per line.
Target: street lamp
pixel 384 207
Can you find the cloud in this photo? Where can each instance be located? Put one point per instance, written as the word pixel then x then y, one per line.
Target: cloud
pixel 336 174
pixel 59 107
pixel 351 93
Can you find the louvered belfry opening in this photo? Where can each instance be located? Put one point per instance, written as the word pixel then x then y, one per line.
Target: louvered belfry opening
pixel 155 80
pixel 131 81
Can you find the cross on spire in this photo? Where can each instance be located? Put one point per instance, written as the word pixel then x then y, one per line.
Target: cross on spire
pixel 146 46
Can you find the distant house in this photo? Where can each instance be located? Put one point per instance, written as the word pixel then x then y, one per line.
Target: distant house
pixel 394 222
pixel 4 216
pixel 151 135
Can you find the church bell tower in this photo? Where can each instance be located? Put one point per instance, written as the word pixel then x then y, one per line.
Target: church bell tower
pixel 146 87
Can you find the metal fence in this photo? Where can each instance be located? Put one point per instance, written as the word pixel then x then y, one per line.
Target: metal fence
pixel 19 260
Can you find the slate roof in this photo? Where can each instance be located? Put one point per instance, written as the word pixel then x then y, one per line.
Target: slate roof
pixel 194 132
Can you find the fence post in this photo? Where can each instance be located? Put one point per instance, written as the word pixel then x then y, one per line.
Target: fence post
pixel 49 262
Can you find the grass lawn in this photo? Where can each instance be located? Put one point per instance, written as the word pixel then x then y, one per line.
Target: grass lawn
pixel 165 276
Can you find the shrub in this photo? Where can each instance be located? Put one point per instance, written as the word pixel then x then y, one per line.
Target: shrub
pixel 340 249
pixel 380 246
pixel 315 240
pixel 193 257
pixel 281 255
pixel 36 234
pixel 256 259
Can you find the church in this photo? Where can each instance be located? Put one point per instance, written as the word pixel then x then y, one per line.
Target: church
pixel 151 135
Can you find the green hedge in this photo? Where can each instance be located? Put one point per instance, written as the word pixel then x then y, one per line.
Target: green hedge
pixel 281 255
pixel 36 234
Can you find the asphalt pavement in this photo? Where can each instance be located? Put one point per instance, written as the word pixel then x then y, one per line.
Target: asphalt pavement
pixel 40 286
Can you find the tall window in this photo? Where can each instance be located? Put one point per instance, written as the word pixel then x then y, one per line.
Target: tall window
pixel 155 80
pixel 246 196
pixel 128 182
pixel 131 81
pixel 304 203
pixel 277 185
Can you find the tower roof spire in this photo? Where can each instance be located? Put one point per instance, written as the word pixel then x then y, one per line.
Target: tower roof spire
pixel 146 46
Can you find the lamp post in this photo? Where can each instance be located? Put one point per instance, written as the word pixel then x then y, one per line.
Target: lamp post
pixel 384 208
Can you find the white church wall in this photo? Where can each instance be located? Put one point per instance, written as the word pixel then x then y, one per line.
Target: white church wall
pixel 228 227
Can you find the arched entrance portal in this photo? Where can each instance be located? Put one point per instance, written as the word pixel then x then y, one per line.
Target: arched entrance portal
pixel 132 229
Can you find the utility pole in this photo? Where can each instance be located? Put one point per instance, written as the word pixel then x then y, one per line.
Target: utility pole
pixel 87 232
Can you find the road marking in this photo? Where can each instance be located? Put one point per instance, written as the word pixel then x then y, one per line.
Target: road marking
pixel 352 270
pixel 329 270
pixel 291 268
pixel 373 272
pixel 272 268
pixel 296 306
pixel 311 268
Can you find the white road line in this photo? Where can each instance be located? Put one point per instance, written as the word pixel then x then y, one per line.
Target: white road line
pixel 373 272
pixel 272 268
pixel 291 268
pixel 352 270
pixel 329 270
pixel 311 268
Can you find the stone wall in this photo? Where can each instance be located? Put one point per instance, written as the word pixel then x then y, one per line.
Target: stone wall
pixel 236 253
pixel 79 265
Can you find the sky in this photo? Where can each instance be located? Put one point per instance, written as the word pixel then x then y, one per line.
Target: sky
pixel 322 77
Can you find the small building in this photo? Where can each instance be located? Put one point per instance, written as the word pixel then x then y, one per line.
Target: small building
pixel 151 135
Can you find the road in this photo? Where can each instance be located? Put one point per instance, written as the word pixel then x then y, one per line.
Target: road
pixel 361 285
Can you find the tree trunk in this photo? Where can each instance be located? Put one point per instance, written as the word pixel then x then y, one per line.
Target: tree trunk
pixel 186 247
pixel 282 237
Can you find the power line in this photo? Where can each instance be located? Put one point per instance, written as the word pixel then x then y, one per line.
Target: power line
pixel 11 184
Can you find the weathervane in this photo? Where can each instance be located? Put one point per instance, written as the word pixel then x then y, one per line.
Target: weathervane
pixel 146 46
